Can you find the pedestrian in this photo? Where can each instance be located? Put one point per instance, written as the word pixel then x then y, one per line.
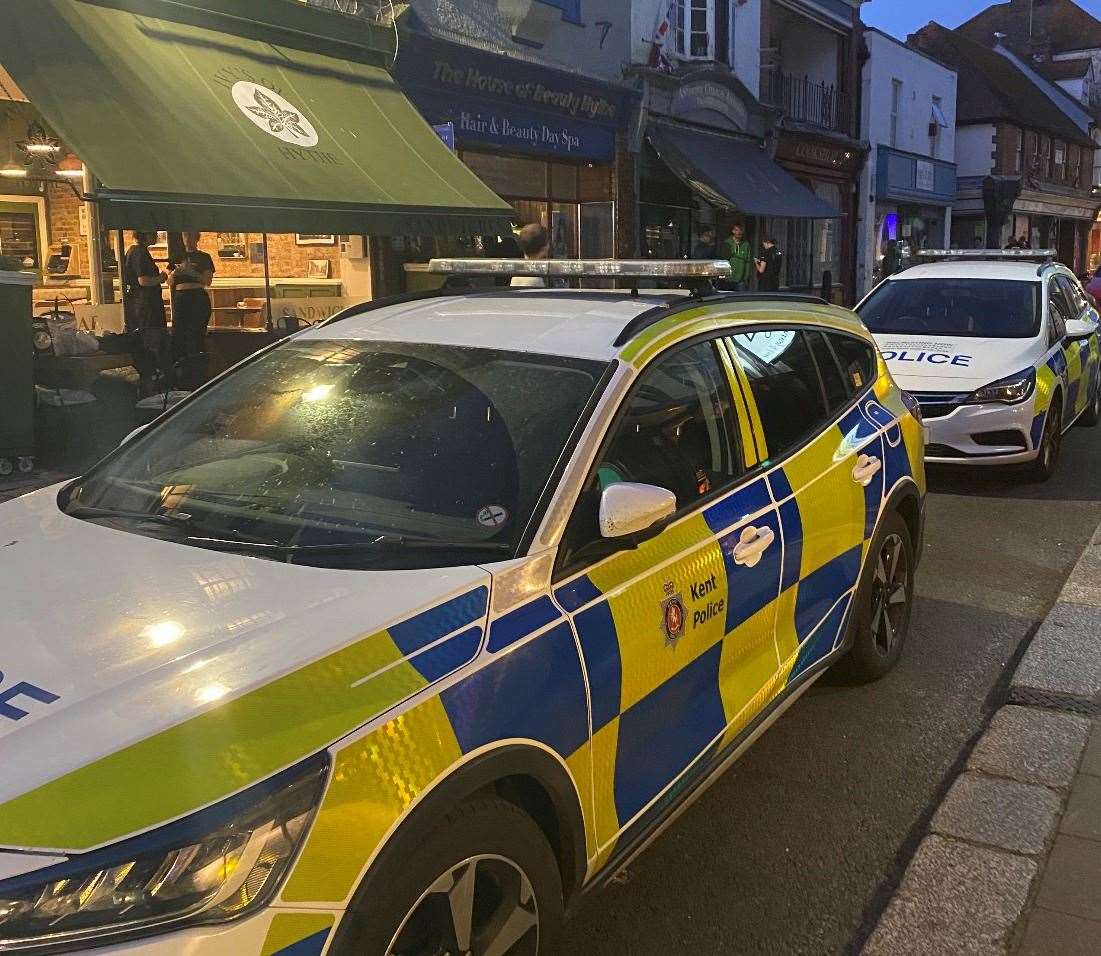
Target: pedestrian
pixel 190 281
pixel 704 246
pixel 768 264
pixel 1023 242
pixel 145 317
pixel 534 242
pixel 1012 243
pixel 737 251
pixel 892 259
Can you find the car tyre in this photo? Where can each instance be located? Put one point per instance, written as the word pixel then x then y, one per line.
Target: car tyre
pixel 1092 415
pixel 485 880
pixel 1051 442
pixel 880 619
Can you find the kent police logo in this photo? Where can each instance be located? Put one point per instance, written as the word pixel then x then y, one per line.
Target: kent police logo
pixel 672 616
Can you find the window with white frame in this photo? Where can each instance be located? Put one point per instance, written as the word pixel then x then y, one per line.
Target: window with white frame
pixel 694 29
pixel 896 106
pixel 937 122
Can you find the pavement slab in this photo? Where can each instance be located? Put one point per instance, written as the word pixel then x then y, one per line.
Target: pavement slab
pixel 954 898
pixel 1083 816
pixel 1057 934
pixel 1018 817
pixel 1072 880
pixel 1091 760
pixel 1032 746
pixel 1065 656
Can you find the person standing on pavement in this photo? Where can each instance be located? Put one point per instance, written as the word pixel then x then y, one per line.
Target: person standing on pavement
pixel 737 252
pixel 892 259
pixel 769 263
pixel 534 242
pixel 704 246
pixel 144 307
pixel 190 299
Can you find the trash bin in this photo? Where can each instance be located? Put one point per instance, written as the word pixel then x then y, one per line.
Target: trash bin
pixel 16 373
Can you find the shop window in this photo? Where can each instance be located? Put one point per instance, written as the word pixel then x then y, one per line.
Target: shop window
pixel 896 106
pixel 596 221
pixel 19 237
pixel 563 230
pixel 827 238
pixel 509 175
pixel 1060 154
pixel 563 181
pixel 694 29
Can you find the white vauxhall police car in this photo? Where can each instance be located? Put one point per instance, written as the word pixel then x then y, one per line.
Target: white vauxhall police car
pixel 1000 349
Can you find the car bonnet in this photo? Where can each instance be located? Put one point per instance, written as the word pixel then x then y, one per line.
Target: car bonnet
pixel 144 678
pixel 954 364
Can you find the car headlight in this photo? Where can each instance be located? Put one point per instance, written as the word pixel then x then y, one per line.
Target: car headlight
pixel 1015 388
pixel 214 865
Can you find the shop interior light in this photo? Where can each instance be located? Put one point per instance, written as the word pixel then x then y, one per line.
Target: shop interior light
pixel 585 268
pixel 12 170
pixel 71 167
pixel 39 142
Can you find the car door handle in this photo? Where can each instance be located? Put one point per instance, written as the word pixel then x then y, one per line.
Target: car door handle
pixel 865 469
pixel 752 544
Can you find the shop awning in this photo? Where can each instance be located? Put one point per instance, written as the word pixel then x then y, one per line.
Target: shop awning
pixel 190 126
pixel 734 174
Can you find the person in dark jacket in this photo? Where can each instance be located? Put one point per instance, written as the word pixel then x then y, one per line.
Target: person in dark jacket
pixel 704 246
pixel 769 263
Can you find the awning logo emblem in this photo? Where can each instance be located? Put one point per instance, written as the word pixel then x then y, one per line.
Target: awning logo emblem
pixel 273 114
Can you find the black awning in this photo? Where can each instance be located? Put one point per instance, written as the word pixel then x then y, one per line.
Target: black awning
pixel 735 174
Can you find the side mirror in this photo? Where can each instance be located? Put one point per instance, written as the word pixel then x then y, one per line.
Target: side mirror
pixel 628 508
pixel 1080 329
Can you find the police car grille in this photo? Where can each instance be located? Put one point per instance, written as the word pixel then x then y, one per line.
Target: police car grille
pixel 939 404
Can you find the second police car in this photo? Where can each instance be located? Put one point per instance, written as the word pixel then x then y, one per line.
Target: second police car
pixel 999 348
pixel 402 634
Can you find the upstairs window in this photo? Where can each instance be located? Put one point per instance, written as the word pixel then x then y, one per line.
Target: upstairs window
pixel 694 29
pixel 896 106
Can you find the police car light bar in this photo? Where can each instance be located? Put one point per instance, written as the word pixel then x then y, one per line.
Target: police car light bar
pixel 1004 255
pixel 585 268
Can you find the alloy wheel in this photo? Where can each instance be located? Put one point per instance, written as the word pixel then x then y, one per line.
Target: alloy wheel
pixel 483 906
pixel 890 594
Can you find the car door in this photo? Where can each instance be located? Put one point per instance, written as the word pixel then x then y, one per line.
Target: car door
pixel 677 634
pixel 822 430
pixel 1080 351
pixel 1063 361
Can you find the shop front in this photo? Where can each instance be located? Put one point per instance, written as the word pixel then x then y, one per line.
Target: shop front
pixel 705 166
pixel 821 253
pixel 913 209
pixel 1048 218
pixel 274 131
pixel 544 140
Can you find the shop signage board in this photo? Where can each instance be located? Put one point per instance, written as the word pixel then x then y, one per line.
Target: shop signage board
pixel 712 102
pixel 926 176
pixel 815 152
pixel 522 107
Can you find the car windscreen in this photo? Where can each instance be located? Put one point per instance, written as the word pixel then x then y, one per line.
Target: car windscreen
pixel 983 308
pixel 353 454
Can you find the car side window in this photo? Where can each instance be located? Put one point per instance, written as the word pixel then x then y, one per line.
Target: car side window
pixel 1076 302
pixel 785 384
pixel 857 360
pixel 1057 309
pixel 833 379
pixel 676 430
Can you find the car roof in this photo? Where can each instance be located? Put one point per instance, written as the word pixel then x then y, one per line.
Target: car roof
pixel 971 269
pixel 588 324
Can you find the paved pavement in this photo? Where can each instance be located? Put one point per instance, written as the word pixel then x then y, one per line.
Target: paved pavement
pixel 800 847
pixel 16 485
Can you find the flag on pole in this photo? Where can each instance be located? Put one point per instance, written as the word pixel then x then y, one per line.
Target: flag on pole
pixel 659 56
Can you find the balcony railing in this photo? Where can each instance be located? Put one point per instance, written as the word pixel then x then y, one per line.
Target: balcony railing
pixel 806 101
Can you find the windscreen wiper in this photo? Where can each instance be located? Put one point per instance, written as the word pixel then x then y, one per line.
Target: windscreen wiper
pixel 172 519
pixel 385 542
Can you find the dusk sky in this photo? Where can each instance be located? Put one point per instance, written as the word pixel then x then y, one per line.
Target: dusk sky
pixel 900 17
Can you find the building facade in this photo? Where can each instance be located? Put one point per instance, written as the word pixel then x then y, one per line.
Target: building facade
pixel 1024 165
pixel 908 117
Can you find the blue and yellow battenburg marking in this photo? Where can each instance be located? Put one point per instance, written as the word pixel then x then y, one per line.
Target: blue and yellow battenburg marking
pixel 636 674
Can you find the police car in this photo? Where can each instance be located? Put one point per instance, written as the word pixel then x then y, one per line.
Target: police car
pixel 999 347
pixel 408 630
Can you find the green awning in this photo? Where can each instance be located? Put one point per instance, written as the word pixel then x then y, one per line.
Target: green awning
pixel 188 126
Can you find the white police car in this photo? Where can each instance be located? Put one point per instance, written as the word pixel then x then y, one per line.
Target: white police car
pixel 1000 348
